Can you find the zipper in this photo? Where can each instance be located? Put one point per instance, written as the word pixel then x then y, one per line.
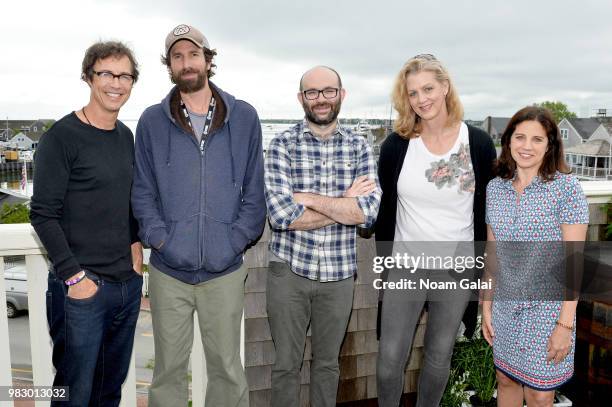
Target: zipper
pixel 202 196
pixel 202 147
pixel 200 217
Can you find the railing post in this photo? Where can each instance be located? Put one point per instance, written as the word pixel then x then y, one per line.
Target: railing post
pixel 242 340
pixel 40 342
pixel 6 378
pixel 145 284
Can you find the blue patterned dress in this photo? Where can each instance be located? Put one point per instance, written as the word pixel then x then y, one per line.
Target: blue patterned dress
pixel 527 298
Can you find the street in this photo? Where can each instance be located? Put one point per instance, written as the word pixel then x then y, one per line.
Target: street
pixel 21 359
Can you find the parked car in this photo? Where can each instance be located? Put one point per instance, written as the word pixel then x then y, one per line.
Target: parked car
pixel 15 278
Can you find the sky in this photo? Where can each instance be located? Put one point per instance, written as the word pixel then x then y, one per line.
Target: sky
pixel 502 55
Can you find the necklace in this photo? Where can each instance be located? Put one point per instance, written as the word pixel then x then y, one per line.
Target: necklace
pixel 85 114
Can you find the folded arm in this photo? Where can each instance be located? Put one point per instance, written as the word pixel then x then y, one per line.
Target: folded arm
pixel 345 209
pixel 285 213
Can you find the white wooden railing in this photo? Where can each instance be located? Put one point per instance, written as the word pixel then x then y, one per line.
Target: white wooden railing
pixel 595 173
pixel 597 191
pixel 21 240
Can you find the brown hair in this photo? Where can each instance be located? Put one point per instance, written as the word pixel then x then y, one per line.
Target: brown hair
pixel 209 54
pixel 553 157
pixel 102 50
pixel 407 124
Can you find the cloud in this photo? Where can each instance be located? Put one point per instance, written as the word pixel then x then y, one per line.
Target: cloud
pixel 502 55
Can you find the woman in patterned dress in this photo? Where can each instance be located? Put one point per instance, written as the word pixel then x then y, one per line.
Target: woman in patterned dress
pixel 433 171
pixel 529 322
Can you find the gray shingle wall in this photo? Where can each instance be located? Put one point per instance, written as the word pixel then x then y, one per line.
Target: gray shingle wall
pixel 359 350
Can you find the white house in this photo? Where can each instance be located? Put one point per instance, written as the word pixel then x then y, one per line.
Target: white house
pixel 588 147
pixel 21 142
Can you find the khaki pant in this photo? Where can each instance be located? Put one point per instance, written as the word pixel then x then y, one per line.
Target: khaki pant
pixel 219 304
pixel 294 302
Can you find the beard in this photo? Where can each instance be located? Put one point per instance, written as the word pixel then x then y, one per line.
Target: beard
pixel 324 120
pixel 189 85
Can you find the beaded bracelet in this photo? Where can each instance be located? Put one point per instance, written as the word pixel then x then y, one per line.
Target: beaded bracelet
pixel 75 280
pixel 570 327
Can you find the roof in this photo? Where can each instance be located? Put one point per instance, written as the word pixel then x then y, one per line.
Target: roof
pixel 500 123
pixel 27 127
pixel 3 134
pixel 27 137
pixel 593 148
pixel 495 126
pixel 584 126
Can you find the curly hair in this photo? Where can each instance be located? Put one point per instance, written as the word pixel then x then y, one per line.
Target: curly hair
pixel 102 50
pixel 407 124
pixel 553 157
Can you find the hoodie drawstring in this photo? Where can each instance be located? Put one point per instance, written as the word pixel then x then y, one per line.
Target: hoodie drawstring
pixel 169 149
pixel 229 131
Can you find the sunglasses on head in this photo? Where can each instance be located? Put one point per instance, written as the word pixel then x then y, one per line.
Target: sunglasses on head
pixel 428 57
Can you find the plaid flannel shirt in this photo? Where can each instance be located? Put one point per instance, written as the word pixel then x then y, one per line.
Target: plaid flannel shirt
pixel 297 161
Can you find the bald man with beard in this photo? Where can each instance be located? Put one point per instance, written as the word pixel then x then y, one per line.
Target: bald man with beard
pixel 321 184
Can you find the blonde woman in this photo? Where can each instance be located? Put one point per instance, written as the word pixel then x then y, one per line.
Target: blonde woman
pixel 433 171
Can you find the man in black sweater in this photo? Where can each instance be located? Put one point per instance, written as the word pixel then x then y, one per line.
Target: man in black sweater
pixel 81 212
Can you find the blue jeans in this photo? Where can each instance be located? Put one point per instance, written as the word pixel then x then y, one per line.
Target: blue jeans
pixel 93 339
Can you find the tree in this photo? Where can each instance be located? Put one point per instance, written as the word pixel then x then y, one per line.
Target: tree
pixel 18 213
pixel 558 109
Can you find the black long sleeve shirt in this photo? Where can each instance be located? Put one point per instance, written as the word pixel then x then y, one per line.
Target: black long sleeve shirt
pixel 81 203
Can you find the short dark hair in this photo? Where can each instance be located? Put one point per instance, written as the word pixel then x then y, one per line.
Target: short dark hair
pixel 103 50
pixel 320 66
pixel 553 158
pixel 209 54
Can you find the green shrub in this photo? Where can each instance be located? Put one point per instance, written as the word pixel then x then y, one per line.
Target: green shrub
pixel 472 368
pixel 455 394
pixel 607 208
pixel 18 213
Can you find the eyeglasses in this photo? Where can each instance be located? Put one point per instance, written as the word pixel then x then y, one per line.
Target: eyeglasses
pixel 107 76
pixel 427 57
pixel 328 93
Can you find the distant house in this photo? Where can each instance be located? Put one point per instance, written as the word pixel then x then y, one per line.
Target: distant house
pixel 580 130
pixel 591 160
pixel 22 142
pixel 6 134
pixel 31 128
pixel 587 144
pixel 495 126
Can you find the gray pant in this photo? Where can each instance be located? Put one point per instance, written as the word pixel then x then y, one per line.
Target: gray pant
pixel 219 304
pixel 293 303
pixel 401 311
